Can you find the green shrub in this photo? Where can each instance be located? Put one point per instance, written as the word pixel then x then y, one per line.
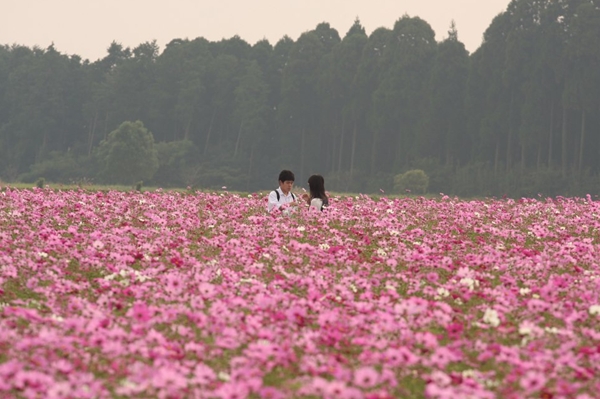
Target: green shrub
pixel 57 167
pixel 414 181
pixel 128 154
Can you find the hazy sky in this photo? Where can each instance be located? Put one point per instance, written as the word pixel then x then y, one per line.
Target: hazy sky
pixel 87 27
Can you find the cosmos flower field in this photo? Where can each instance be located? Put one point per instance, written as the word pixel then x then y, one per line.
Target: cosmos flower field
pixel 205 295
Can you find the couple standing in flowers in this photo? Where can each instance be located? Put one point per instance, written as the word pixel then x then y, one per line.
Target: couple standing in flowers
pixel 315 198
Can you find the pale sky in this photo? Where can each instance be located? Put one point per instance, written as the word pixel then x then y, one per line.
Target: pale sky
pixel 87 27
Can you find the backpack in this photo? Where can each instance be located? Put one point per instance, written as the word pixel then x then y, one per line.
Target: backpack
pixel 277 193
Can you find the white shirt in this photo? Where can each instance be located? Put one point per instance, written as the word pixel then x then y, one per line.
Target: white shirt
pixel 283 199
pixel 316 203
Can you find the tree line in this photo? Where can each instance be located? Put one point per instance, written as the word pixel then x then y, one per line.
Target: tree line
pixel 519 116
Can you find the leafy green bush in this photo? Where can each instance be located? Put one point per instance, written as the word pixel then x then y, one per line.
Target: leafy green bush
pixel 56 167
pixel 414 181
pixel 440 175
pixel 176 163
pixel 128 154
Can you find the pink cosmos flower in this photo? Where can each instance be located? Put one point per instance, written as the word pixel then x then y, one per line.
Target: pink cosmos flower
pixel 440 378
pixel 366 377
pixel 60 390
pixel 175 284
pixel 206 290
pixel 232 390
pixel 434 391
pixel 441 357
pixel 271 393
pixel 203 374
pixel 533 381
pixel 140 312
pixel 34 379
pixel 336 389
pixel 399 357
pixel 537 306
pixel 454 330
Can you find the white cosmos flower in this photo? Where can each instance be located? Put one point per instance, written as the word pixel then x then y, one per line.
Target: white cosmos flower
pixel 525 328
pixel 594 310
pixel 491 317
pixel 469 282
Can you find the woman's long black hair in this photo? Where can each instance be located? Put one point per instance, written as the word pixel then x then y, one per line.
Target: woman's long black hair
pixel 316 185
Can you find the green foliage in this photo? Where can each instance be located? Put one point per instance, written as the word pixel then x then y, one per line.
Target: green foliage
pixel 472 179
pixel 60 168
pixel 128 154
pixel 414 181
pixel 216 177
pixel 440 175
pixel 176 160
pixel 503 120
pixel 40 182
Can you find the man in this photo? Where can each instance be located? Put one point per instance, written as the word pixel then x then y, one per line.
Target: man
pixel 282 195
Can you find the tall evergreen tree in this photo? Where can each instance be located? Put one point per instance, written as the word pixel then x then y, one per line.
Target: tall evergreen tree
pixel 300 105
pixel 443 136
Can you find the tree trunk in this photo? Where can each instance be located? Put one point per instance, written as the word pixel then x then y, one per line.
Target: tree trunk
pixel 449 156
pixel 353 152
pixel 43 147
pixel 186 132
pixel 105 125
pixel 91 134
pixel 341 149
pixel 497 157
pixel 250 168
pixel 212 119
pixel 237 143
pixel 333 148
pixel 302 153
pixel 510 134
pixel 550 135
pixel 563 150
pixel 374 152
pixel 581 141
pixel 508 152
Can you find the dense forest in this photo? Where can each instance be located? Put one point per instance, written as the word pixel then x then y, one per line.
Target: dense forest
pixel 520 116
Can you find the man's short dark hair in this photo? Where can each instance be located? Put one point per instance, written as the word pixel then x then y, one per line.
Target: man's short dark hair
pixel 286 175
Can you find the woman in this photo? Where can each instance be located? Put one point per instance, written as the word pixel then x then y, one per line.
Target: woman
pixel 317 198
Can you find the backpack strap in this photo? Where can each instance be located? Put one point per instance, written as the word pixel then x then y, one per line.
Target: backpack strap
pixel 277 194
